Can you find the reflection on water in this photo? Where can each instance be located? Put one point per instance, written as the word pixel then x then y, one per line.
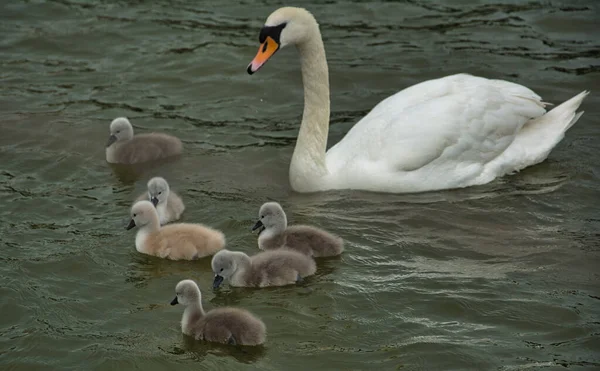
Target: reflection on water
pixel 498 277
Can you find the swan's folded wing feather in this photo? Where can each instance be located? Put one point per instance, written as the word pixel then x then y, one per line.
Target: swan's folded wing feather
pixel 454 124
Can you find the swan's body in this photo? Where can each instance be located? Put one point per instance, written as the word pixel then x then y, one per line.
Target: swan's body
pixel 274 233
pixel 225 325
pixel 125 148
pixel 452 132
pixel 181 241
pixel 168 204
pixel 269 268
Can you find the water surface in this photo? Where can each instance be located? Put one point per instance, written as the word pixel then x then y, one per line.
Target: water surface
pixel 498 277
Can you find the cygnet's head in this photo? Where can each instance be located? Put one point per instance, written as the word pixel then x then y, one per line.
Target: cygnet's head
pixel 270 216
pixel 120 129
pixel 186 293
pixel 158 190
pixel 224 265
pixel 142 213
pixel 285 26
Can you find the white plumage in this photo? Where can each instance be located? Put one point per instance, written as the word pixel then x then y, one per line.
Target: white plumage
pixel 452 132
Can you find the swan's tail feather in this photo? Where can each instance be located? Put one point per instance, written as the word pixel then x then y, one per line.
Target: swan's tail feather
pixel 574 120
pixel 565 115
pixel 538 137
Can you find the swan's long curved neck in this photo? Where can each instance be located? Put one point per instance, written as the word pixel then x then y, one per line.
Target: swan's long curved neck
pixel 308 162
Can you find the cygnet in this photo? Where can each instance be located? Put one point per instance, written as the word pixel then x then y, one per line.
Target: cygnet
pixel 181 241
pixel 274 233
pixel 167 203
pixel 125 148
pixel 269 268
pixel 222 325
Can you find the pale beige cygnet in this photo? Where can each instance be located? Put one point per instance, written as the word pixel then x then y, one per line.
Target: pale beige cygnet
pixel 168 204
pixel 275 233
pixel 222 325
pixel 181 241
pixel 269 268
pixel 125 148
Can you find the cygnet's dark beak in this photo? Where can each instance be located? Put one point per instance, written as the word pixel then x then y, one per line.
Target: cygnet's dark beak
pixel 217 282
pixel 130 225
pixel 111 140
pixel 154 201
pixel 258 225
pixel 174 301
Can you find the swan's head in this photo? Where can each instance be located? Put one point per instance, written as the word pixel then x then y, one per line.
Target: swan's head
pixel 142 213
pixel 186 293
pixel 158 190
pixel 270 216
pixel 285 26
pixel 224 264
pixel 120 129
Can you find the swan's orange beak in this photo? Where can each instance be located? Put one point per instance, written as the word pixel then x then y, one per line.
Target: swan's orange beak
pixel 266 51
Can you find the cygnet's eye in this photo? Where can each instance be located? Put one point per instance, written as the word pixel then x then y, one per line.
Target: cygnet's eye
pixel 221 270
pixel 118 131
pixel 262 216
pixel 134 215
pixel 160 193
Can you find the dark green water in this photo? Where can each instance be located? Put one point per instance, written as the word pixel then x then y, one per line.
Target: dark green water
pixel 499 277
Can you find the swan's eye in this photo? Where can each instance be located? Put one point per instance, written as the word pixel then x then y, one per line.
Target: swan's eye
pixel 160 193
pixel 134 215
pixel 272 31
pixel 262 216
pixel 221 270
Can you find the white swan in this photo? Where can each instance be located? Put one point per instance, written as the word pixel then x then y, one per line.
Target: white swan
pixel 452 132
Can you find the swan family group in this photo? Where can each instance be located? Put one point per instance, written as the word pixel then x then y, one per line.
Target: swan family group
pixel 452 132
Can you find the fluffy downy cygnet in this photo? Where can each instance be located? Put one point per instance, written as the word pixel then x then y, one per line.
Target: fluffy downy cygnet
pixel 125 148
pixel 269 268
pixel 168 204
pixel 222 325
pixel 181 241
pixel 275 233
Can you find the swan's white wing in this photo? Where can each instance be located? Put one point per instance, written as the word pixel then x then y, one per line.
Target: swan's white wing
pixel 441 131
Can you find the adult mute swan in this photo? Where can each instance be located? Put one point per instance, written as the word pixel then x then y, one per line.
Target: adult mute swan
pixel 452 132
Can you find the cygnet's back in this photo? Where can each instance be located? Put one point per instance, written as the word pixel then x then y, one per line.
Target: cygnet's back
pixel 242 327
pixel 168 204
pixel 280 267
pixel 125 148
pixel 181 241
pixel 309 240
pixel 313 241
pixel 185 241
pixel 222 325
